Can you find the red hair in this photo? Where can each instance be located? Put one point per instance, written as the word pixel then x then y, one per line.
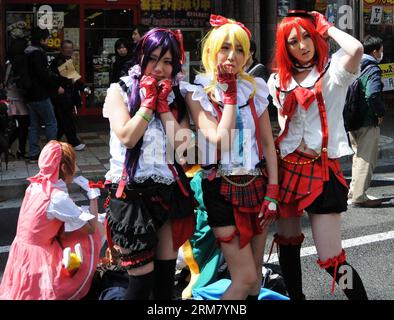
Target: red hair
pixel 284 62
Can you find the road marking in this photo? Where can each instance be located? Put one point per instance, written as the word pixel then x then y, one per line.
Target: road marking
pixel 17 203
pixel 354 242
pixel 308 251
pixel 4 249
pixel 376 177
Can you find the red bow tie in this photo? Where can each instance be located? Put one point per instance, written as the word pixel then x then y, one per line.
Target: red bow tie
pixel 218 21
pixel 98 184
pixel 298 96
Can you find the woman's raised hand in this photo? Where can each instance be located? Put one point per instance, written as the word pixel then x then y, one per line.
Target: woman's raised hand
pixel 165 88
pixel 148 85
pixel 228 83
pixel 321 22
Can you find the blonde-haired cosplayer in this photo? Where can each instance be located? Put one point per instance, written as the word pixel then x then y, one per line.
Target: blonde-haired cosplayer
pixel 229 109
pixel 212 44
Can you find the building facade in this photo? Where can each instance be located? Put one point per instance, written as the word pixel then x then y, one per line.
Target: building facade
pixel 356 17
pixel 94 26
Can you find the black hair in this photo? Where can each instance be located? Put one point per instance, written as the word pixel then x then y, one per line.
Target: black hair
pixel 142 29
pixel 66 42
pixel 372 43
pixel 39 34
pixel 122 41
pixel 253 49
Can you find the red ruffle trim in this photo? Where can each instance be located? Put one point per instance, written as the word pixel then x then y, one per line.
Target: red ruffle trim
pixel 333 262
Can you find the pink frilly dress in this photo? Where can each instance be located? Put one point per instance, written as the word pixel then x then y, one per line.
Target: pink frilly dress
pixel 34 266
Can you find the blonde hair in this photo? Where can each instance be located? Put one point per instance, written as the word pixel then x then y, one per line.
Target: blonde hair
pixel 211 45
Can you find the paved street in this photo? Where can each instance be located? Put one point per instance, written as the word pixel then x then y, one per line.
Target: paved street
pixel 370 253
pixel 368 234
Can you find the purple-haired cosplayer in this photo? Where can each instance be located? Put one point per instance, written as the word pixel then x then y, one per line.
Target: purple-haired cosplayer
pixel 150 213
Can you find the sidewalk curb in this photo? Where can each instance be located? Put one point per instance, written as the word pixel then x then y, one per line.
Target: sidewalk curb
pixel 14 189
pixel 386 151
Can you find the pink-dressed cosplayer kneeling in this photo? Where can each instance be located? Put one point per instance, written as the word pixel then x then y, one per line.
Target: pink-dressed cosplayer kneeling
pixel 48 222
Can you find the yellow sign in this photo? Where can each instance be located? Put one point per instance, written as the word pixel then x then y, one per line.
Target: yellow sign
pixel 387 70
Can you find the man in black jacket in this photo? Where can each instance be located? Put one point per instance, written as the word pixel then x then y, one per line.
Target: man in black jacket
pixel 64 102
pixel 253 66
pixel 37 96
pixel 365 141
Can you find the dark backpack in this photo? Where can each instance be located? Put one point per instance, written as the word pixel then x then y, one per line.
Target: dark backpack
pixel 20 73
pixel 353 112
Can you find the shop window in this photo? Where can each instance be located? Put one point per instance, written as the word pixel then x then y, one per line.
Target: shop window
pixel 102 28
pixel 20 19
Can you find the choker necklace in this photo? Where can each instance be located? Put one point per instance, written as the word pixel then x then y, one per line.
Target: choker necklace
pixel 301 68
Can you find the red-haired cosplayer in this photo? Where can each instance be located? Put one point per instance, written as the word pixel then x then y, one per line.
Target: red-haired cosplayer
pixel 310 92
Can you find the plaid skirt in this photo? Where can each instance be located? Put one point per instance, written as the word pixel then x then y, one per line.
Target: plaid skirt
pixel 236 202
pixel 301 182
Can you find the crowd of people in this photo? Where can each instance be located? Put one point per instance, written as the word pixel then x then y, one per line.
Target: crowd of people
pixel 249 180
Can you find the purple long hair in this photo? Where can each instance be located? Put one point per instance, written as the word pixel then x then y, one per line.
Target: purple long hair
pixel 157 37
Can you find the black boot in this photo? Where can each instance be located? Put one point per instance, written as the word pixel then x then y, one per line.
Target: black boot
pixel 290 263
pixel 164 279
pixel 357 292
pixel 139 287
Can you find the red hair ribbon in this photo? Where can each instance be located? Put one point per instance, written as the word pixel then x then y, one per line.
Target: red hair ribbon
pixel 179 36
pixel 218 21
pixel 98 184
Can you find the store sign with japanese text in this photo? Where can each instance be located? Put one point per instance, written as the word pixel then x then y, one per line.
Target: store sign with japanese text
pixel 387 76
pixel 379 12
pixel 176 13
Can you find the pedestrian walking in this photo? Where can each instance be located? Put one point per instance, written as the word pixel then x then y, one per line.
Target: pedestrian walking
pixel 365 140
pixel 38 94
pixel 17 108
pixel 63 101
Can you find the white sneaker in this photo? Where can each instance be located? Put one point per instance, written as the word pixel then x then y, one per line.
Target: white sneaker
pixel 80 147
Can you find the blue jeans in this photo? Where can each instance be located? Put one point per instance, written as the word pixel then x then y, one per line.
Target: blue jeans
pixel 41 112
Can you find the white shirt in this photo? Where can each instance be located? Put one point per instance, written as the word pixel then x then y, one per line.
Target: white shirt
pixel 230 162
pixel 152 162
pixel 63 208
pixel 306 124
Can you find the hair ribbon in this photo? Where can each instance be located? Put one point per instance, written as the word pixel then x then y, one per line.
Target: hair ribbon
pixel 218 21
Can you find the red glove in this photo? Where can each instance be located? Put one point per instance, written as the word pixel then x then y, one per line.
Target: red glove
pixel 269 208
pixel 228 83
pixel 321 22
pixel 165 88
pixel 149 86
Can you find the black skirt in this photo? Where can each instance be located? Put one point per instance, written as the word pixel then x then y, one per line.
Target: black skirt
pixel 135 219
pixel 220 211
pixel 333 199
